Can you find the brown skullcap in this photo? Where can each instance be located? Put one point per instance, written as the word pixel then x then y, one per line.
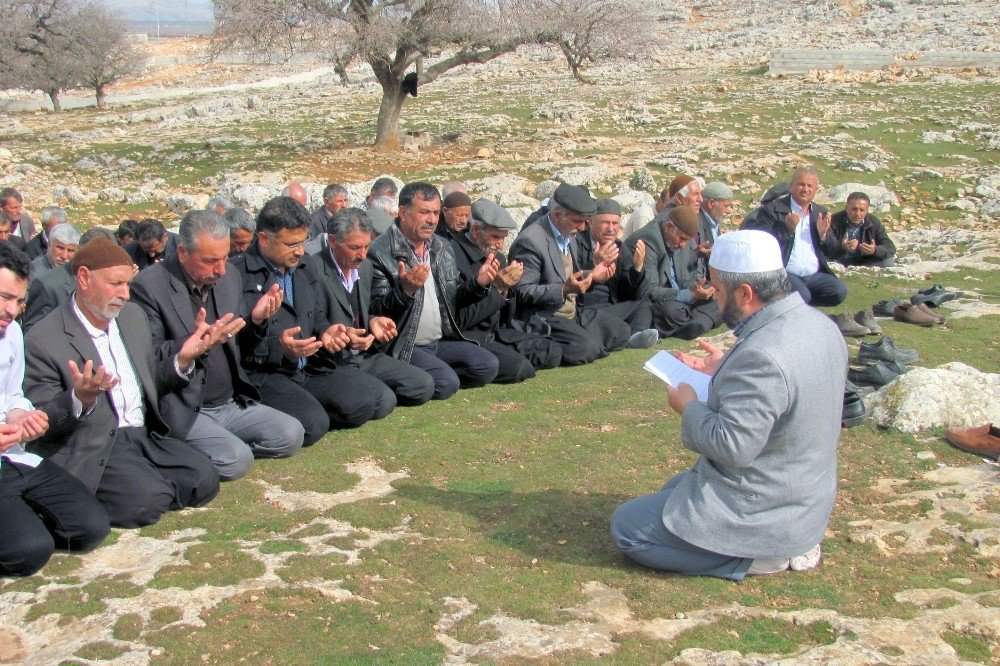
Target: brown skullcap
pixel 456 200
pixel 685 218
pixel 677 184
pixel 100 253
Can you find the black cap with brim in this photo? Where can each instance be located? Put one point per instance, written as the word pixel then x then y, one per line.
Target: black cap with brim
pixel 574 198
pixel 493 214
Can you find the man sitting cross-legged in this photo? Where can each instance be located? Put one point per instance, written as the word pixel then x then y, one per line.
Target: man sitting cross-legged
pixel 219 411
pixel 92 370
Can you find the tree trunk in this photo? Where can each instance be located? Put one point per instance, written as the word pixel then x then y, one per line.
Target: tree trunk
pixel 56 104
pixel 100 96
pixel 341 70
pixel 387 128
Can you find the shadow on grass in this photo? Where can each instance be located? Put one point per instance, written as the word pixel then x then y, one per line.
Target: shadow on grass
pixel 556 525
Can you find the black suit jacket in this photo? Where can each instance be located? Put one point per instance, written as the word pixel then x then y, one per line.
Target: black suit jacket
pixel 482 320
pixel 47 293
pixel 627 284
pixel 142 260
pixel 872 231
pixel 82 445
pixel 264 355
pixel 37 246
pixel 161 291
pixel 771 218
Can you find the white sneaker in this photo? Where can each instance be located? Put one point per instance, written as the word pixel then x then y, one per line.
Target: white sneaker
pixel 807 560
pixel 763 566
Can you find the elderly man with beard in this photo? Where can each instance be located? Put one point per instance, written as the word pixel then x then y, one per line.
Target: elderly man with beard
pixel 760 495
pixel 64 239
pixel 91 369
pixel 624 294
pixel 552 282
pixel 456 210
pixel 521 352
pixel 416 284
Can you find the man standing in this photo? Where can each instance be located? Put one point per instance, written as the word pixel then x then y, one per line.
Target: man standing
pixel 801 227
pixel 552 282
pixel 857 238
pixel 301 326
pixel 91 369
pixel 759 497
pixel 416 284
pixel 21 224
pixel 677 287
pixel 623 295
pixel 334 201
pixel 49 217
pixel 42 507
pixel 348 279
pixel 218 413
pixel 520 352
pixel 152 244
pixel 62 244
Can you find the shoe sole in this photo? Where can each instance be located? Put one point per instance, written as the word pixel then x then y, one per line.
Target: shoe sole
pixel 854 421
pixel 968 450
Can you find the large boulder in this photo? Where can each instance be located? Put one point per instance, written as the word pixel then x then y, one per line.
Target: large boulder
pixel 882 197
pixel 951 395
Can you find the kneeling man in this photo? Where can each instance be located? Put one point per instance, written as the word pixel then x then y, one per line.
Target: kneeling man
pixel 759 497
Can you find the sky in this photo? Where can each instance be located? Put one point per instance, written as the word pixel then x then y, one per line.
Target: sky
pixel 169 10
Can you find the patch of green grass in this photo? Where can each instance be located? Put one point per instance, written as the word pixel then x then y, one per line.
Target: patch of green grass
pixel 68 603
pixel 970 647
pixel 756 635
pixel 100 651
pixel 128 627
pixel 215 563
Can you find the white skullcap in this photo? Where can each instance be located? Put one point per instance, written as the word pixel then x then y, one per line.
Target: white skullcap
pixel 748 251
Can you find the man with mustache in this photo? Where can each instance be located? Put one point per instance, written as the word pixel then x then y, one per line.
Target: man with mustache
pixel 416 284
pixel 219 411
pixel 42 507
pixel 92 370
pixel 521 352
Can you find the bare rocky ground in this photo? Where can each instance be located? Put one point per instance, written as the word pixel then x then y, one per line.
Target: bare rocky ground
pixel 924 144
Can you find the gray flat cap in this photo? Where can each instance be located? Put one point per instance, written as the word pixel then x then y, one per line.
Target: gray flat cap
pixel 717 191
pixel 493 214
pixel 608 207
pixel 574 198
pixel 381 220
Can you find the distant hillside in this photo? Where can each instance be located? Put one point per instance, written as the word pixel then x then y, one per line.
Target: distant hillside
pixel 165 10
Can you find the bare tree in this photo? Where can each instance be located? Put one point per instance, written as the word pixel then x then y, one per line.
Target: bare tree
pixel 37 36
pixel 399 38
pixel 107 52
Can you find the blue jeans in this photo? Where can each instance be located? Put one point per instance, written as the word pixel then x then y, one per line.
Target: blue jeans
pixel 638 530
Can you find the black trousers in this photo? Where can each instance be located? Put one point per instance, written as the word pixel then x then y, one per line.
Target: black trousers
pixel 686 321
pixel 144 477
pixel 637 314
pixel 43 508
pixel 590 335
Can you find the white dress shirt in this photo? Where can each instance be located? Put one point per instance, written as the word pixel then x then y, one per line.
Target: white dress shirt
pixel 803 260
pixel 11 395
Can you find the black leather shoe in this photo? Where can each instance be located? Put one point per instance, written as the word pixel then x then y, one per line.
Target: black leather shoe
pixel 870 353
pixel 886 308
pixel 934 296
pixel 854 412
pixel 879 375
pixel 851 387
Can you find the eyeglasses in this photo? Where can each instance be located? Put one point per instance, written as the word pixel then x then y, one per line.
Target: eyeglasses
pixel 292 246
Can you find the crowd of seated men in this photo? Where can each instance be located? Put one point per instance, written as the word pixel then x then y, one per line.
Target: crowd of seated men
pixel 141 367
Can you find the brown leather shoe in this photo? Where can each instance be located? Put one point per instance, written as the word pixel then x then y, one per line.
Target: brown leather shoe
pixel 927 310
pixel 983 440
pixel 911 314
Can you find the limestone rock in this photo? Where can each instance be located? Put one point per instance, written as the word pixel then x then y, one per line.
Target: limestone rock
pixel 643 181
pixel 591 176
pixel 951 395
pixel 882 197
pixel 545 189
pixel 179 204
pixel 632 200
pixel 963 204
pixel 253 197
pixel 937 137
pixel 71 194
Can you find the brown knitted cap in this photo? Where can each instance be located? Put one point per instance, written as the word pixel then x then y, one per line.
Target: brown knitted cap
pixel 99 253
pixel 456 200
pixel 685 218
pixel 677 183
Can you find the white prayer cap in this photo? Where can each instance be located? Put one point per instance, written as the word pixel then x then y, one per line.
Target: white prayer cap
pixel 749 251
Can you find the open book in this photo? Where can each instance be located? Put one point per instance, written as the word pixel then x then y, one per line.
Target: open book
pixel 675 373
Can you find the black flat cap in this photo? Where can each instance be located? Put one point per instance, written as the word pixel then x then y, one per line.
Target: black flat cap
pixel 574 198
pixel 608 207
pixel 493 214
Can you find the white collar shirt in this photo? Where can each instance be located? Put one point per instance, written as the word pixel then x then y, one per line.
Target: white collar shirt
pixel 11 395
pixel 803 260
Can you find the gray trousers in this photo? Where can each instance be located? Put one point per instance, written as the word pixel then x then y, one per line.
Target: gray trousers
pixel 230 436
pixel 638 530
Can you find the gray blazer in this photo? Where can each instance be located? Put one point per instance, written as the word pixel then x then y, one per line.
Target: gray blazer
pixel 688 271
pixel 765 480
pixel 81 445
pixel 540 289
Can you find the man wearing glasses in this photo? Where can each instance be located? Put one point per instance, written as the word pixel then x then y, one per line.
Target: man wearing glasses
pixel 276 364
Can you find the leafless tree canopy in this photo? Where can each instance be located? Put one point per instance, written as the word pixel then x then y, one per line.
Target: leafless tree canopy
pixel 53 45
pixel 429 37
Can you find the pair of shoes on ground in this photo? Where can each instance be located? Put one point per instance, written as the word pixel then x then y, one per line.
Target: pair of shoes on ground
pixel 870 353
pixel 982 440
pixel 883 363
pixel 766 566
pixel 862 323
pixel 934 296
pixel 878 375
pixel 643 339
pixel 919 314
